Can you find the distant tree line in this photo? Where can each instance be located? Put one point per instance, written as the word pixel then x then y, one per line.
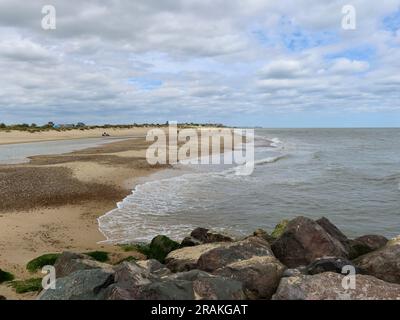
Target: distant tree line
pixel 33 127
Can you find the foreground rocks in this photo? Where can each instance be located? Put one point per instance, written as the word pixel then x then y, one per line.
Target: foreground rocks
pixel 260 276
pixel 303 241
pixel 80 285
pixel 302 259
pixel 70 262
pixel 233 252
pixel 331 264
pixel 202 236
pixel 328 286
pixel 383 263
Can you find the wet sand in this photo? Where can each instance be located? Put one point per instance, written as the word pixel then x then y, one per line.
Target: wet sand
pixel 52 203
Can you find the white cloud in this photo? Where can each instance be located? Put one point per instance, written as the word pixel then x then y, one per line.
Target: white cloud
pixel 349 66
pixel 212 59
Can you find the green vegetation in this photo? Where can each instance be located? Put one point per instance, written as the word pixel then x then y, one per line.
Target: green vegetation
pixel 159 248
pixel 100 256
pixel 44 260
pixel 5 276
pixel 82 126
pixel 29 285
pixel 279 229
pixel 128 247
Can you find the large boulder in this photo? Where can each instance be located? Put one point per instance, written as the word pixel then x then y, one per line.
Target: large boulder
pixel 354 248
pixel 305 240
pixel 383 263
pixel 80 285
pixel 260 275
pixel 202 236
pixel 135 283
pixel 160 246
pixel 366 244
pixel 328 286
pixel 186 258
pixel 154 266
pixel 69 262
pixel 221 256
pixel 211 287
pixel 331 264
pixel 333 231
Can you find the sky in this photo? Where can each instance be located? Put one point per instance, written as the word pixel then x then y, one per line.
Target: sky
pixel 239 62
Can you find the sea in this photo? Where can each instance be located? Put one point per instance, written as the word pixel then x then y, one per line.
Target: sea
pixel 350 176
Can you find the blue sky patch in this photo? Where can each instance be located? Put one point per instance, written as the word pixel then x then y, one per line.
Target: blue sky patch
pixel 365 53
pixel 392 21
pixel 145 83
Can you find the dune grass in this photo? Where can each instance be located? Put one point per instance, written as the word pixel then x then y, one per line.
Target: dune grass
pixel 100 256
pixel 44 260
pixel 5 276
pixel 29 285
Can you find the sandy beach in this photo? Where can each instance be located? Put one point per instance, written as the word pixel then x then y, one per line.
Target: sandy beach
pixel 8 137
pixel 52 203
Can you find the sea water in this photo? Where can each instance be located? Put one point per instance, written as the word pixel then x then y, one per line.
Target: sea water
pixel 350 176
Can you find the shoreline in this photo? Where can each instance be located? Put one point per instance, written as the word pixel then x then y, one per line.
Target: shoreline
pixel 61 214
pixel 53 202
pixel 21 137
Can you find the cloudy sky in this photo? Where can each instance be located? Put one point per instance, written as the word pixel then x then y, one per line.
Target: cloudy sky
pixel 245 62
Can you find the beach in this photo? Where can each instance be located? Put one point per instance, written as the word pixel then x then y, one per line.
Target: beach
pixel 14 136
pixel 52 203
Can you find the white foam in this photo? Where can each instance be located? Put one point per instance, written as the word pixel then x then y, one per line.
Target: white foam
pixel 139 216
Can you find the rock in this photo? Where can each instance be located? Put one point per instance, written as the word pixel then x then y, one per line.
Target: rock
pixel 353 247
pixel 160 246
pixel 333 231
pixel 383 263
pixel 279 229
pixel 202 236
pixel 186 258
pixel 155 267
pixel 374 242
pixel 260 275
pixel 189 242
pixel 3 298
pixel 294 272
pixel 331 264
pixel 69 262
pixel 228 253
pixel 130 274
pixel 211 287
pixel 357 249
pixel 263 235
pixel 395 240
pixel 134 283
pixel 303 241
pixel 365 244
pixel 80 285
pixel 328 286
